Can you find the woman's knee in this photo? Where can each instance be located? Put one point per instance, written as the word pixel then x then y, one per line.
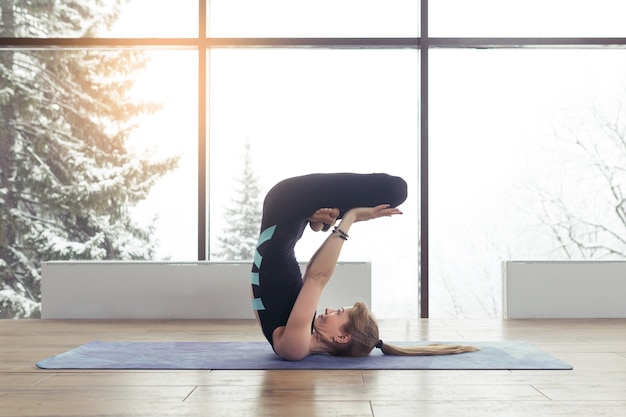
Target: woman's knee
pixel 399 190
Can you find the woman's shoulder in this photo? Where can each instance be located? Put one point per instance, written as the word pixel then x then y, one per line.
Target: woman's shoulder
pixel 291 346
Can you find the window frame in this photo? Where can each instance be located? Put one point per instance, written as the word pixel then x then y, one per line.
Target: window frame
pixel 421 43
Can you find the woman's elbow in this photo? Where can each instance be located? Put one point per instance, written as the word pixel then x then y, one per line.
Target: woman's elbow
pixel 293 358
pixel 292 354
pixel 319 276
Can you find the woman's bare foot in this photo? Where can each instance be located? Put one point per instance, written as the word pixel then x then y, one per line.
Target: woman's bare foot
pixel 323 216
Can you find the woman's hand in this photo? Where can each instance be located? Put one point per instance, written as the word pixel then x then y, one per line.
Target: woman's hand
pixel 368 213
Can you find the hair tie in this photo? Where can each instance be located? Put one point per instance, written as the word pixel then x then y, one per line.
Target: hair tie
pixel 379 345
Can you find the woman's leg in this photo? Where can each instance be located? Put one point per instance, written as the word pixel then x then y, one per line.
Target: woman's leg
pixel 298 198
pixel 291 202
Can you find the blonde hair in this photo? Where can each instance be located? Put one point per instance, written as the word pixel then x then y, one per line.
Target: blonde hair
pixel 364 336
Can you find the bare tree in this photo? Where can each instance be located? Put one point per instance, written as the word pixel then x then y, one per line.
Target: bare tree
pixel 587 215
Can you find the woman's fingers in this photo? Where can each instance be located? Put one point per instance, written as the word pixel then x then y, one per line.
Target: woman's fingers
pixel 369 213
pixel 387 210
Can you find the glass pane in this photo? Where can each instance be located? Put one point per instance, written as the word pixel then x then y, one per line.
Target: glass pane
pixel 527 18
pixel 304 111
pixel 324 18
pixel 74 19
pixel 171 80
pixel 157 19
pixel 527 155
pixel 86 155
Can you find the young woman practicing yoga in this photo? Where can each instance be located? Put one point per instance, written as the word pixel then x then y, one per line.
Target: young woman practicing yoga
pixel 285 301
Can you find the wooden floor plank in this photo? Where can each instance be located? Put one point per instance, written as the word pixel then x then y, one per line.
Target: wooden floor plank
pixel 498 409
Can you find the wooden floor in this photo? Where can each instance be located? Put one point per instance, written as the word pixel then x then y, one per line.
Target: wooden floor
pixel 596 387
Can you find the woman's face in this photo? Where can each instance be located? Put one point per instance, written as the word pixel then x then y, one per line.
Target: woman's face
pixel 331 322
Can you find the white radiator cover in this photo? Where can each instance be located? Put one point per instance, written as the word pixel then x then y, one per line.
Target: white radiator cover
pixel 564 289
pixel 172 290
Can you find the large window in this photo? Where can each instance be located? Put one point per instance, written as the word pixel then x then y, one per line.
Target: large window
pixel 135 133
pixel 530 167
pixel 321 110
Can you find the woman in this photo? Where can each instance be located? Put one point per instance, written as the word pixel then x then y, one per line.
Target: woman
pixel 284 300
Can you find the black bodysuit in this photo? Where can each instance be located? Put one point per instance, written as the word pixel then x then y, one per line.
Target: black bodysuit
pixel 276 276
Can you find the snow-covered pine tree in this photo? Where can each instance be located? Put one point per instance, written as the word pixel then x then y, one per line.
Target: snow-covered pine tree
pixel 243 216
pixel 67 179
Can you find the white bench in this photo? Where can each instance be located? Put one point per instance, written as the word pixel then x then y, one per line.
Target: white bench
pixel 564 289
pixel 172 290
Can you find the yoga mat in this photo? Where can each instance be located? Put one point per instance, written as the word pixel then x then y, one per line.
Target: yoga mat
pixel 259 356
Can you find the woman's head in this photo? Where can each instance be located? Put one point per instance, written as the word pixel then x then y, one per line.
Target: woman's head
pixel 363 330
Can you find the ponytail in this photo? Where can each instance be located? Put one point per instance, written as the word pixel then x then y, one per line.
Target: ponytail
pixel 428 350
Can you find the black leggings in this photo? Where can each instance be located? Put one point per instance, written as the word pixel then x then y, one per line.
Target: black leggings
pixel 276 275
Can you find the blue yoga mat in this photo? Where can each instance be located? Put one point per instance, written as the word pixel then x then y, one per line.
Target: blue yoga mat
pixel 259 356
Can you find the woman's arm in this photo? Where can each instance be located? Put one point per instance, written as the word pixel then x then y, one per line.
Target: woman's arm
pixel 323 262
pixel 293 341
